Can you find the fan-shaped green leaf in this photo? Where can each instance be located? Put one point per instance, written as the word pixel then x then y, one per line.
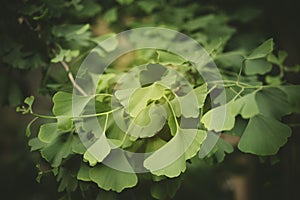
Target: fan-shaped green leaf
pixel 148 122
pixel 58 149
pixel 35 144
pixel 99 150
pixel 246 106
pixel 263 50
pixel 141 96
pixel 169 58
pixel 257 66
pixel 272 102
pixel 170 160
pixel 65 102
pixel 84 173
pixel 165 189
pixel 264 136
pixel 293 94
pixel 151 74
pixel 48 132
pixel 220 118
pixel 112 179
pixel 64 123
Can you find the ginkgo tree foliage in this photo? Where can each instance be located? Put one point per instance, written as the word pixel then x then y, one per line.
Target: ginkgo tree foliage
pixel 253 80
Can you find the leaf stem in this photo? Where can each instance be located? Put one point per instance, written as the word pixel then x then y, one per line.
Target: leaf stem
pixel 81 116
pixel 75 85
pixel 172 110
pixel 98 114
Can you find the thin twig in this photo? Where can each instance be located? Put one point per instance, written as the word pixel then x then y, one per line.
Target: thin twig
pixel 67 68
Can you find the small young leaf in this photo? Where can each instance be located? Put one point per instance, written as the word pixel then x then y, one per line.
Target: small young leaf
pixel 263 50
pixel 110 15
pixel 29 101
pixel 28 132
pixel 293 95
pixel 257 66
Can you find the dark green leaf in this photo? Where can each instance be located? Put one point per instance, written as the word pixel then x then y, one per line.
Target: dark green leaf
pixel 257 66
pixel 263 50
pixel 264 136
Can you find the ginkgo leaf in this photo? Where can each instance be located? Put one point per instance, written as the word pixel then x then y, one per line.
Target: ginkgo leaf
pixel 154 144
pixel 220 118
pixel 64 123
pixel 148 122
pixel 87 156
pixel 35 144
pixel 68 104
pixel 245 106
pixel 170 160
pixel 113 179
pixel 124 95
pixel 189 105
pixel 151 74
pixel 29 101
pixel 77 145
pixel 48 132
pixel 215 146
pixel 98 151
pixel 239 127
pixel 277 60
pixel 264 136
pixel 84 173
pixel 222 147
pixel 191 102
pixel 141 96
pixel 28 127
pixel 166 188
pixel 67 180
pixel 263 50
pixel 58 149
pixel 272 102
pixel 169 58
pixel 293 95
pixel 172 125
pixel 257 66
pixel 169 78
pixel 201 94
